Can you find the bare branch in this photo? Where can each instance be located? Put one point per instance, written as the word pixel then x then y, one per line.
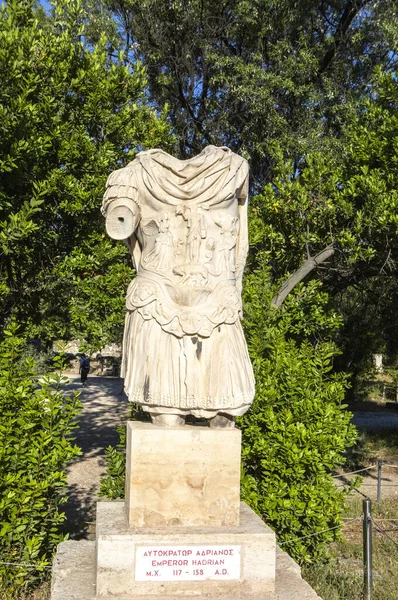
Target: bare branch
pixel 310 264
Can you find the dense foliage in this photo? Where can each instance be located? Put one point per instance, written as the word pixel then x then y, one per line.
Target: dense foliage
pixel 348 200
pixel 256 75
pixel 69 116
pixel 37 419
pixel 296 431
pixel 113 483
pixel 307 92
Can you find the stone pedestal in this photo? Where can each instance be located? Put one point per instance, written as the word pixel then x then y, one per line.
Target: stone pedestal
pixel 184 476
pixel 74 574
pixel 182 530
pixel 183 561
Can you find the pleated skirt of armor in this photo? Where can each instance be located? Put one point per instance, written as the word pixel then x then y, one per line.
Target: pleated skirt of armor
pixel 189 375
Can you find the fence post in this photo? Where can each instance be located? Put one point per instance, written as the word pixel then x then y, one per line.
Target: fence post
pixel 367 549
pixel 379 467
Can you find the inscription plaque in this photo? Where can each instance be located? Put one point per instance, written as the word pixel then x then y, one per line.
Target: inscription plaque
pixel 187 563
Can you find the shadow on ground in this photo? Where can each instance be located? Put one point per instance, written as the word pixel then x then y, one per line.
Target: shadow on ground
pixel 104 409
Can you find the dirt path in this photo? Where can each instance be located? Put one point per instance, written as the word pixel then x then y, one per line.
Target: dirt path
pixel 104 409
pixel 375 418
pixel 378 418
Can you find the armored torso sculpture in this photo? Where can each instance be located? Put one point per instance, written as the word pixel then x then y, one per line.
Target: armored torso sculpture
pixel 185 222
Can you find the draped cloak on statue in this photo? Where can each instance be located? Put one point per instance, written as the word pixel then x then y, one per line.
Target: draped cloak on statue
pixel 184 351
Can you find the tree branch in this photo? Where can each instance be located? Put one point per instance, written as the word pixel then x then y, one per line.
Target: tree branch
pixel 310 264
pixel 351 10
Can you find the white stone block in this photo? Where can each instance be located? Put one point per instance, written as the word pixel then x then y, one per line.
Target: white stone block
pixel 185 476
pixel 249 560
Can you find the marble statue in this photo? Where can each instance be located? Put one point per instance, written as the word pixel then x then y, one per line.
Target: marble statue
pixel 185 223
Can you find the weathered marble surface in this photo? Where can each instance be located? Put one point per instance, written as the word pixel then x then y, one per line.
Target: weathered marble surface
pixel 182 476
pixel 185 223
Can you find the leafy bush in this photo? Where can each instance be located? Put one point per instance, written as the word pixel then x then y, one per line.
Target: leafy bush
pixel 37 419
pixel 41 359
pixel 112 485
pixel 297 429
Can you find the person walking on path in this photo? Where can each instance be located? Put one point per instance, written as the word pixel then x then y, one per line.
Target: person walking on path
pixel 84 369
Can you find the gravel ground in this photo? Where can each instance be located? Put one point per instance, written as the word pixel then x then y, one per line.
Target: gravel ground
pixel 104 409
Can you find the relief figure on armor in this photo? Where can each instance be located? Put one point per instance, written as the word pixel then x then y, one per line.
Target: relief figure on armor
pixel 228 227
pixel 162 254
pixel 196 231
pixel 185 223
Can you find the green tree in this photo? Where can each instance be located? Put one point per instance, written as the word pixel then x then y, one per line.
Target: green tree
pixel 259 76
pixel 348 202
pixel 70 114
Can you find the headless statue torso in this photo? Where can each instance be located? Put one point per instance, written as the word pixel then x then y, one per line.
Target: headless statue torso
pixel 185 223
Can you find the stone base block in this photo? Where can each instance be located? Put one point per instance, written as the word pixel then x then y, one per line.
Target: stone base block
pixel 181 561
pixel 187 476
pixel 73 577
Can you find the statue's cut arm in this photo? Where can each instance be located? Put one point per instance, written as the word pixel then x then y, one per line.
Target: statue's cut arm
pixel 122 217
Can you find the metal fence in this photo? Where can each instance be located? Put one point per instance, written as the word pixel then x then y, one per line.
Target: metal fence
pixel 378 477
pixel 368 522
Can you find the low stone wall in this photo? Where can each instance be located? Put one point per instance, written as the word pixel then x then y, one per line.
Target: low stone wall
pixel 105 362
pixel 106 366
pixel 74 347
